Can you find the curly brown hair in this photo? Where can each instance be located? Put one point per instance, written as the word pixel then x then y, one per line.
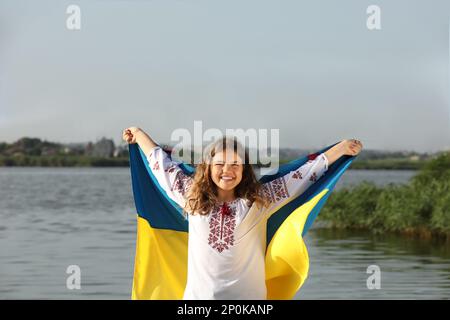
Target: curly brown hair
pixel 202 196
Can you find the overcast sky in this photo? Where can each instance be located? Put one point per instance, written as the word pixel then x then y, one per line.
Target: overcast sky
pixel 311 69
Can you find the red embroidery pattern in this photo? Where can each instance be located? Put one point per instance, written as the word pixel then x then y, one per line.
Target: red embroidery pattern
pixel 313 177
pixel 182 183
pixel 221 228
pixel 297 175
pixel 276 190
pixel 312 156
pixel 156 166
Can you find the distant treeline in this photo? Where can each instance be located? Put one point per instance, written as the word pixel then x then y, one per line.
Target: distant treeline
pixel 35 152
pixel 103 148
pixel 389 164
pixel 62 161
pixel 420 208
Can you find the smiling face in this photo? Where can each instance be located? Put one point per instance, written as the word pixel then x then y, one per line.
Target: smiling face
pixel 226 170
pixel 223 179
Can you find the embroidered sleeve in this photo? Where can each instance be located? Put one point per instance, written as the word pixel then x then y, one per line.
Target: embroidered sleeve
pixel 169 175
pixel 281 190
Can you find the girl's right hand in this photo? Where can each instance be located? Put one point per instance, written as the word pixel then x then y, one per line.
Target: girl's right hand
pixel 129 134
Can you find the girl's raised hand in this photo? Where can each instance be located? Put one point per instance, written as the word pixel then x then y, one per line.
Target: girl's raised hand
pixel 351 147
pixel 129 134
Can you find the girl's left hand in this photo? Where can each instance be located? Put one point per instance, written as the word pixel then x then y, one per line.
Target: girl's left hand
pixel 351 147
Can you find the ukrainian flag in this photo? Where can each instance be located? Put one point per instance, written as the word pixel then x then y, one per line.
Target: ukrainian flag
pixel 160 267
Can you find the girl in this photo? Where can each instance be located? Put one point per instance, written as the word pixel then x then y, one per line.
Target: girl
pixel 228 209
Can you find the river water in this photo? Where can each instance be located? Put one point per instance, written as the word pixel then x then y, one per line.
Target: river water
pixel 51 218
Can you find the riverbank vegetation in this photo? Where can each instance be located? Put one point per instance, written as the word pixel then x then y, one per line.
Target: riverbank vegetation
pixel 419 208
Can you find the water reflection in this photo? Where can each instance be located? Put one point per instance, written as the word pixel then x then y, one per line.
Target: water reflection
pixel 410 268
